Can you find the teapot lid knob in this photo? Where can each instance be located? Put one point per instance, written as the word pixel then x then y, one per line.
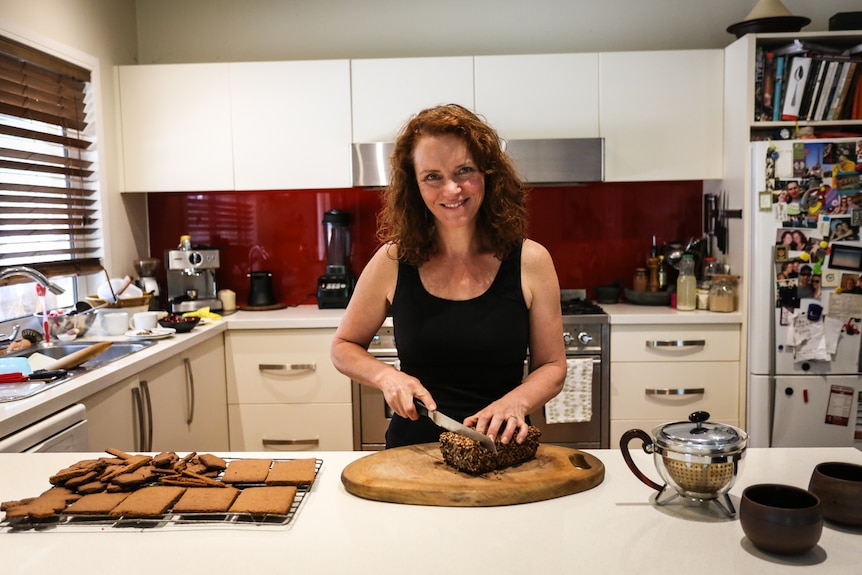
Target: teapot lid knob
pixel 698 417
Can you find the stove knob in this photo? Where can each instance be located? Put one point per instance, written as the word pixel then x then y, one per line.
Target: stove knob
pixel 584 338
pixel 567 338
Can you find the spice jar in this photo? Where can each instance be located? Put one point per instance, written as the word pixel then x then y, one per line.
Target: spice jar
pixel 640 281
pixel 722 293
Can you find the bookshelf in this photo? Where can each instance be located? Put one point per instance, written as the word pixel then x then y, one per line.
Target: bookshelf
pixel 803 84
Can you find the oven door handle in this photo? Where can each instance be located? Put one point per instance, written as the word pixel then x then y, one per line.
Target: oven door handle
pixel 676 343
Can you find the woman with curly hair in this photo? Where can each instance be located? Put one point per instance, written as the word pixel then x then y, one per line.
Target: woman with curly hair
pixel 467 291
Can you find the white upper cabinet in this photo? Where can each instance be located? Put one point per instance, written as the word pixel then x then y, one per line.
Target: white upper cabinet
pixel 176 129
pixel 388 92
pixel 661 114
pixel 539 96
pixel 291 124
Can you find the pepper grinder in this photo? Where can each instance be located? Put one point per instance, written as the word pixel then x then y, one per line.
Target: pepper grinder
pixel 652 264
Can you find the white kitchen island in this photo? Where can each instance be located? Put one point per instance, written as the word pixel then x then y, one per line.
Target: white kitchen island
pixel 613 528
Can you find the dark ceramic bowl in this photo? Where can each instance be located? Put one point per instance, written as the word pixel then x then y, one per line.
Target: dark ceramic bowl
pixel 781 518
pixel 181 324
pixel 608 294
pixel 839 487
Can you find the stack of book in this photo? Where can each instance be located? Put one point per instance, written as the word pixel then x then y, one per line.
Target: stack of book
pixel 808 82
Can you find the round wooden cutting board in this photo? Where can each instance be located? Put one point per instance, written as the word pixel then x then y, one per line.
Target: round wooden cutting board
pixel 417 475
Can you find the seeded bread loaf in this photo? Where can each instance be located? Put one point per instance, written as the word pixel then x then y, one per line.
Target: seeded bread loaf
pixel 469 456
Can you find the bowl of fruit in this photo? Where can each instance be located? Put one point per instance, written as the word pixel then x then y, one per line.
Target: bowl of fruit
pixel 179 323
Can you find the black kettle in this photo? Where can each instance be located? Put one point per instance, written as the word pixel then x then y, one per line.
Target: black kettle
pixel 260 289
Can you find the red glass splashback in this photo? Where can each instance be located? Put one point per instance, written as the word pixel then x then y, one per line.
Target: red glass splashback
pixel 596 233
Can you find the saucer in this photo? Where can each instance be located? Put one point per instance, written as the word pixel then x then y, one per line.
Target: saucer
pixel 158 333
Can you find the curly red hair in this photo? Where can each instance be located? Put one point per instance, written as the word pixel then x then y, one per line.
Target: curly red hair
pixel 405 220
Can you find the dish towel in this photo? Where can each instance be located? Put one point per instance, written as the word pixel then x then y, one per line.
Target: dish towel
pixel 574 403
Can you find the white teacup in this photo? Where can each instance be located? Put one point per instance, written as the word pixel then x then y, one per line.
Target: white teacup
pixel 145 320
pixel 115 322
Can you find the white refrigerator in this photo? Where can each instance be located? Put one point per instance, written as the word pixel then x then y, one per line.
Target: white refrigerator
pixel 805 294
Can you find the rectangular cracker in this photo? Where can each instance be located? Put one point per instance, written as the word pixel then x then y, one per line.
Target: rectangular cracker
pixel 206 500
pixel 275 500
pixel 96 504
pixel 292 472
pixel 148 502
pixel 212 461
pixel 247 471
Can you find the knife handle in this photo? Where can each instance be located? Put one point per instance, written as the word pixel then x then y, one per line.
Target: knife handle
pixel 420 407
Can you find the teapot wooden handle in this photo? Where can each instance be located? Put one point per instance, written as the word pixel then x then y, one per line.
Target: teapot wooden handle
pixel 647 447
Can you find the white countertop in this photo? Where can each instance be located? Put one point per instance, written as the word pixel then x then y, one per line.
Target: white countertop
pixel 630 314
pixel 18 414
pixel 15 415
pixel 308 316
pixel 614 528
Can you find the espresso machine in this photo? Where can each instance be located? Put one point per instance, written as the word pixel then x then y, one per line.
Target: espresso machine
pixel 191 278
pixel 335 287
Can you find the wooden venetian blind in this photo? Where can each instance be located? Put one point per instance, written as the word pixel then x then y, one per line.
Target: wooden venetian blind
pixel 49 206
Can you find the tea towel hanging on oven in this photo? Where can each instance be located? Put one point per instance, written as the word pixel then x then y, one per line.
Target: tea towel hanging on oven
pixel 574 403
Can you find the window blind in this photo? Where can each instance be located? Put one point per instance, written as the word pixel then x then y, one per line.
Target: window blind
pixel 49 203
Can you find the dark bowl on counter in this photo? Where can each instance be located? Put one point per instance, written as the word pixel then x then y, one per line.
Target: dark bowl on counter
pixel 608 294
pixel 838 484
pixel 179 323
pixel 781 518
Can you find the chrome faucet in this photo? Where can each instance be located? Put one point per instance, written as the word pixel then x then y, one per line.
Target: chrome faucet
pixel 5 340
pixel 34 275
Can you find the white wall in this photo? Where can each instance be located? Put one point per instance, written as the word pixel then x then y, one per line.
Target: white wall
pixel 173 31
pixel 98 34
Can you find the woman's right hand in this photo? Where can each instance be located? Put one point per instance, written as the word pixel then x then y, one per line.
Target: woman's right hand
pixel 399 389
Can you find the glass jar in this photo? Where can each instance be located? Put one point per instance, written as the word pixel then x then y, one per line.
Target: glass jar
pixel 686 285
pixel 722 293
pixel 640 281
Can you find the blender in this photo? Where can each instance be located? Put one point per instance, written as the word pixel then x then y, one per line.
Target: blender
pixel 335 287
pixel 147 268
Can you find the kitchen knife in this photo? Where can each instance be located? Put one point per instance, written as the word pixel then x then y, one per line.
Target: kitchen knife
pixel 450 424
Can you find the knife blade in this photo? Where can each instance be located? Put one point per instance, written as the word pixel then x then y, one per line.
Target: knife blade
pixel 450 424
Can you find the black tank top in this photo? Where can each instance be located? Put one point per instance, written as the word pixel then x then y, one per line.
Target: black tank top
pixel 466 353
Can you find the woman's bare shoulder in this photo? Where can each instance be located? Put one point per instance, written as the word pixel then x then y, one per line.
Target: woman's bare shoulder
pixel 534 254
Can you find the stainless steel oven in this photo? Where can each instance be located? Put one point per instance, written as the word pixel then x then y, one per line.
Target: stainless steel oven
pixel 586 333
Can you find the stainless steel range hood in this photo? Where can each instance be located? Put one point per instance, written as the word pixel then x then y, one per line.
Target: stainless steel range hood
pixel 550 161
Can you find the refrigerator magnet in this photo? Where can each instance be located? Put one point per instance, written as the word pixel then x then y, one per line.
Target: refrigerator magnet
pixel 765 201
pixel 838 407
pixel 845 257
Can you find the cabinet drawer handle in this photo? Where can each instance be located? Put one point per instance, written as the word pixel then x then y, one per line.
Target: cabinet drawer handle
pixel 190 391
pixel 677 391
pixel 677 343
pixel 145 393
pixel 275 442
pixel 138 404
pixel 290 368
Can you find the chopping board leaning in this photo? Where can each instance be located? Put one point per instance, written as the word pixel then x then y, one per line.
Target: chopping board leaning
pixel 417 475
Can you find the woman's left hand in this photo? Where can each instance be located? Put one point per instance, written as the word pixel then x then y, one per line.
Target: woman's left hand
pixel 500 415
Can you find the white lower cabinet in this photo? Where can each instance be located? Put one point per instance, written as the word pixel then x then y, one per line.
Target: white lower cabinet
pixel 661 374
pixel 178 405
pixel 284 394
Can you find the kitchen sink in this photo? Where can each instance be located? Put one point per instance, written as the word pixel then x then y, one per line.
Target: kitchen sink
pixel 118 350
